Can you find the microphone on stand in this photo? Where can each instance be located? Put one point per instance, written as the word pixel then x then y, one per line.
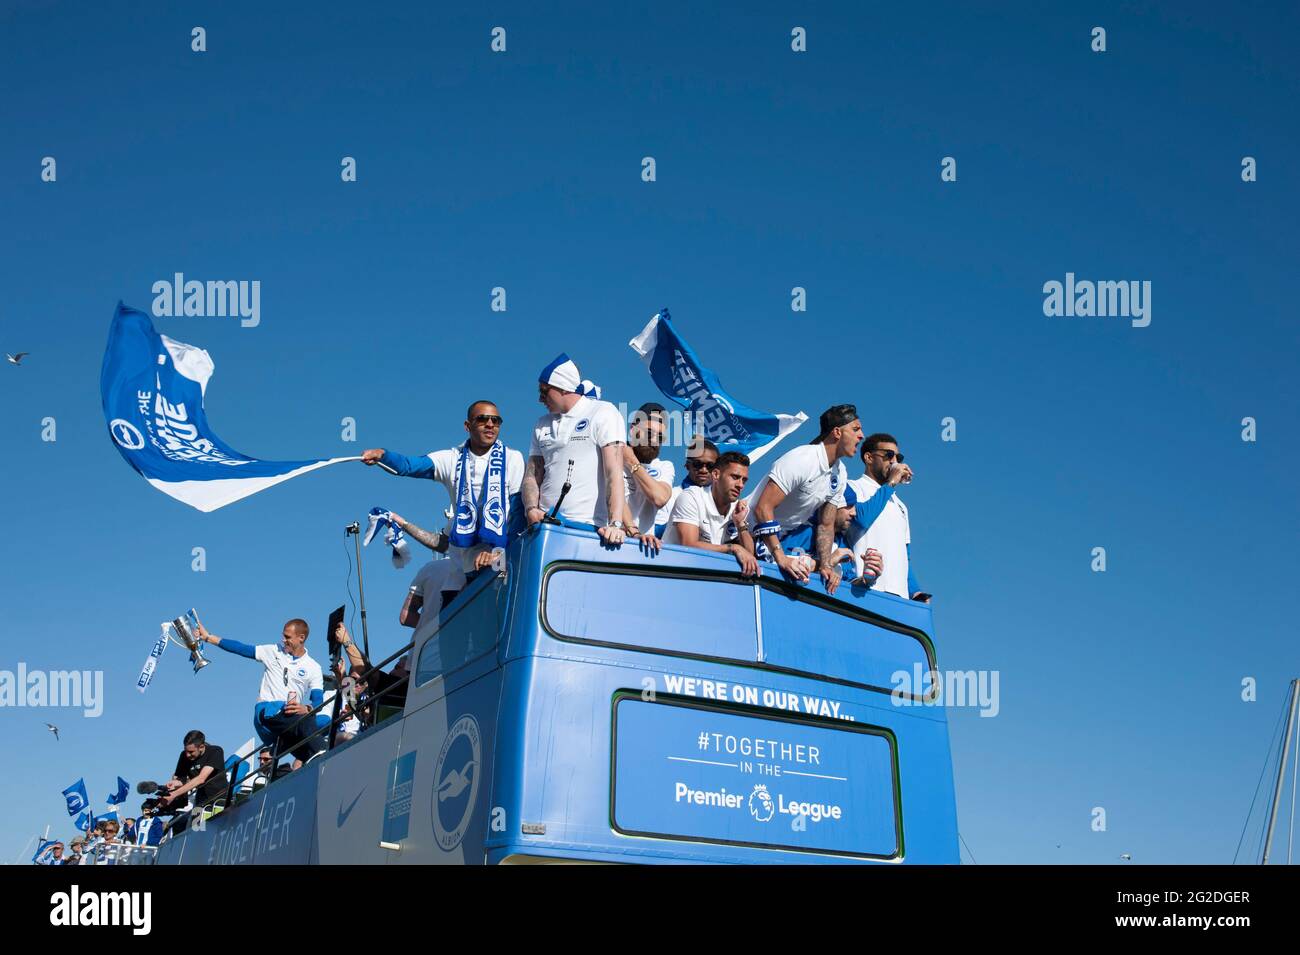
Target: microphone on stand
pixel 568 483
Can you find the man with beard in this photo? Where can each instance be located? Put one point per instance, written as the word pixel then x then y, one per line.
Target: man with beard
pixel 713 517
pixel 649 478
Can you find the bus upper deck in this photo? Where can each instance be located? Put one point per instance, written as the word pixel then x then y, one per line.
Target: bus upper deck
pixel 597 704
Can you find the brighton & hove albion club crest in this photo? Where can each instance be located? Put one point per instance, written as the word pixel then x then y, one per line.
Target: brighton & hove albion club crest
pixel 126 434
pixel 761 806
pixel 581 426
pixel 455 782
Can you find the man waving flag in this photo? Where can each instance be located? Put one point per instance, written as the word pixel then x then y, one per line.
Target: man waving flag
pixel 719 417
pixel 152 387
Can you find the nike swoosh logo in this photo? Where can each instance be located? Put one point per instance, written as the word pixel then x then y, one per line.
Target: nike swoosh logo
pixel 344 813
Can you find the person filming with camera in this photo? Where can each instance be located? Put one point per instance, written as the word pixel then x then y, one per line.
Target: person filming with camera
pixel 200 769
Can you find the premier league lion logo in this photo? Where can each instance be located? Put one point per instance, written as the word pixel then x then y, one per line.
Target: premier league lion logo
pixel 761 806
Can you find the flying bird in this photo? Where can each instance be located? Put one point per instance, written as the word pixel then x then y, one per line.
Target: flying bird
pixel 16 359
pixel 53 729
pixel 1127 857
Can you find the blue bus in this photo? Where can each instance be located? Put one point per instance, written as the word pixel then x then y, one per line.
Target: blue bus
pixel 591 704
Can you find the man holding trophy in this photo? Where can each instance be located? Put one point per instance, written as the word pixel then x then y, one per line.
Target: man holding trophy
pixel 292 684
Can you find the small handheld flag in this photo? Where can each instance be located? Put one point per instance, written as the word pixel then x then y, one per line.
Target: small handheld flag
pixel 123 789
pixel 76 797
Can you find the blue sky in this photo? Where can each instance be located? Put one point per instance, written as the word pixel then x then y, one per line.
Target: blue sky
pixel 774 169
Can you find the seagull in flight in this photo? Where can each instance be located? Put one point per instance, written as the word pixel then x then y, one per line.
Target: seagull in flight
pixel 16 359
pixel 1127 857
pixel 53 729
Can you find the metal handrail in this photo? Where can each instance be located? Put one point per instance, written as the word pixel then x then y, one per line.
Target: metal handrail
pixel 227 798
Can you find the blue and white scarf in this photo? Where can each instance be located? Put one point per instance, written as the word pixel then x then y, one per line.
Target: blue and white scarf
pixel 381 517
pixel 483 521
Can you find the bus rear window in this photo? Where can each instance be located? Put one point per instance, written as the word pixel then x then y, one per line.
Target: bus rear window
pixel 679 615
pixel 722 616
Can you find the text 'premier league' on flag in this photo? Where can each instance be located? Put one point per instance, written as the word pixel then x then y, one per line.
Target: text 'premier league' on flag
pixel 152 388
pixel 682 378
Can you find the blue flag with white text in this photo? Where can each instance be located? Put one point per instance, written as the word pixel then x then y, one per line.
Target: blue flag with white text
pixel 722 419
pixel 152 388
pixel 76 797
pixel 123 788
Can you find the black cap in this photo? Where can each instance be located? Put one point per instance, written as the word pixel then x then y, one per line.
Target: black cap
pixel 835 416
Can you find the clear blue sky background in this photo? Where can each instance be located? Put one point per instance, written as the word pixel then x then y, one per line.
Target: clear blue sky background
pixel 775 169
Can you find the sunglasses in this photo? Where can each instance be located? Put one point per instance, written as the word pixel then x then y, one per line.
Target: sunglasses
pixel 889 455
pixel 697 464
pixel 488 419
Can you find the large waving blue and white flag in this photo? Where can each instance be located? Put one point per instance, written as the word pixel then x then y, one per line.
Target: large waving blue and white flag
pixel 152 387
pixel 76 797
pixel 719 417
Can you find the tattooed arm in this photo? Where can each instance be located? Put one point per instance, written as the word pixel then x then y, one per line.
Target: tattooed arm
pixel 430 539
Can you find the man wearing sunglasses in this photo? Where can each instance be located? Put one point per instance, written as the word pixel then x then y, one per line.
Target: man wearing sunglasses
pixel 482 478
pixel 880 519
pixel 701 456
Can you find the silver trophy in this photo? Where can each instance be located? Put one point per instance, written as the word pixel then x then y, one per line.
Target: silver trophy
pixel 184 633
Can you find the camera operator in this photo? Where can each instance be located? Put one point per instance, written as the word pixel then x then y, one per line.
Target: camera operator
pixel 201 769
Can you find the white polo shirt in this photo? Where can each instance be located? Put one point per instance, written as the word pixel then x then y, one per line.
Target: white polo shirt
pixel 284 674
pixel 890 534
pixel 444 472
pixel 808 481
pixel 640 507
pixel 695 505
pixel 578 437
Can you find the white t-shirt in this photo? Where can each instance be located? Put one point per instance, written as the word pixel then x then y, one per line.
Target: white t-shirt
pixel 285 674
pixel 808 482
pixel 435 577
pixel 578 437
pixel 695 505
pixel 641 509
pixel 444 472
pixel 890 534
